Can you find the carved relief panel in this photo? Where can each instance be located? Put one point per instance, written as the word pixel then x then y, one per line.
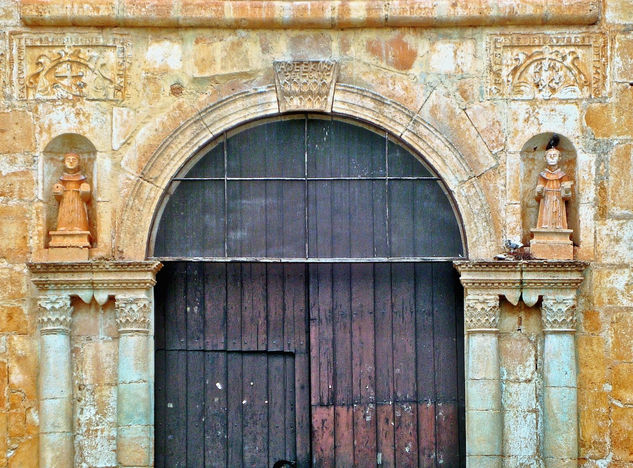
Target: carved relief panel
pixel 541 66
pixel 56 66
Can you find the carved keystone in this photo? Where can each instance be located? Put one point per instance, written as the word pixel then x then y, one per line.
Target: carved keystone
pixel 305 85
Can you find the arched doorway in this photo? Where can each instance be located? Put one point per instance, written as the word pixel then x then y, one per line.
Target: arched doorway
pixel 308 309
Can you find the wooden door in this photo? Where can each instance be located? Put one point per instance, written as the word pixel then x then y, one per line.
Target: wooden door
pixel 308 309
pixel 232 370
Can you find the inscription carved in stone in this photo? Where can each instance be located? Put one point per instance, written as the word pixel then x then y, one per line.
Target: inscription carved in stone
pixel 542 66
pixel 55 314
pixel 52 66
pixel 132 314
pixel 305 85
pixel 481 311
pixel 559 313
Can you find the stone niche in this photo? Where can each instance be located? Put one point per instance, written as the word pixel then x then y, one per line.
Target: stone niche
pixel 532 163
pixel 51 166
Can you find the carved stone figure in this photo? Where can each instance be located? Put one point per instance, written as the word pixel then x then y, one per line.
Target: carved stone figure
pixel 72 192
pixel 551 236
pixel 553 188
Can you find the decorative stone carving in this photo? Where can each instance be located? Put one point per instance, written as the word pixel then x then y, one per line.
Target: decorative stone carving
pixel 551 236
pixel 72 192
pixel 69 66
pixel 55 314
pixel 305 85
pixel 481 312
pixel 132 314
pixel 559 313
pixel 541 66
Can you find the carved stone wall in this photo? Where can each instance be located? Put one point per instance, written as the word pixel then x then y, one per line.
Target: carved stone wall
pixel 149 84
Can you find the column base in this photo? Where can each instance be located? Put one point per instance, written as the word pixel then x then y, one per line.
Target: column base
pixel 69 239
pixel 552 244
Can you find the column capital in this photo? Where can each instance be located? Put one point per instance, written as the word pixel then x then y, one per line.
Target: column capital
pixel 55 314
pixel 481 313
pixel 132 314
pixel 559 314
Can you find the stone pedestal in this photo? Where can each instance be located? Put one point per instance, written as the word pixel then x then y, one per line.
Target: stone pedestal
pixel 69 239
pixel 553 244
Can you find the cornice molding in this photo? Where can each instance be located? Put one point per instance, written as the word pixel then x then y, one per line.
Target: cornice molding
pixel 527 279
pixel 99 279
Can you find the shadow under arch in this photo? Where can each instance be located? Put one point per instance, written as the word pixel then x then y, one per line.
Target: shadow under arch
pixel 351 102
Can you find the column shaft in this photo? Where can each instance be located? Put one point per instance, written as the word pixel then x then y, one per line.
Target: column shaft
pixel 134 413
pixel 560 445
pixel 56 420
pixel 484 423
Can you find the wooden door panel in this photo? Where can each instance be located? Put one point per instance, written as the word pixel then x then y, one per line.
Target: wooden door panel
pixel 385 360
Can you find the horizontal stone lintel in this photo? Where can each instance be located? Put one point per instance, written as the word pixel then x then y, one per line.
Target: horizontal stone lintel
pixel 307 13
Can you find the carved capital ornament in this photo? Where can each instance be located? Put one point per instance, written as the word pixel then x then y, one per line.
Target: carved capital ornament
pixel 481 312
pixel 55 314
pixel 559 314
pixel 132 314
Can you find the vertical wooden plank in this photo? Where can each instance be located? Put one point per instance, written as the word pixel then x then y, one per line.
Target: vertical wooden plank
pixel 176 410
pixel 276 409
pixel 234 306
pixel 293 200
pixel 215 288
pixel 176 310
pixel 195 408
pixel 295 331
pixel 344 435
pixel 363 374
pixel 276 318
pixel 341 239
pixel 320 211
pixel 302 409
pixel 401 203
pixel 255 409
pixel 426 434
pixel 384 364
pixel 161 294
pixel 234 404
pixel 361 222
pixel 216 416
pixel 321 307
pixel 323 436
pixel 258 291
pixel 448 452
pixel 272 218
pixel 403 299
pixel 425 369
pixel 195 308
pixel 445 358
pixel 160 407
pixel 290 410
pixel 342 324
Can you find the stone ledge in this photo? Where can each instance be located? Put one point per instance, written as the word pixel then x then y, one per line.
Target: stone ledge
pixel 306 13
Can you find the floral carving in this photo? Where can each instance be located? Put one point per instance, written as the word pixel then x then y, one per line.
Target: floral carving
pixel 543 67
pixel 70 66
pixel 559 313
pixel 305 85
pixel 481 312
pixel 132 314
pixel 55 314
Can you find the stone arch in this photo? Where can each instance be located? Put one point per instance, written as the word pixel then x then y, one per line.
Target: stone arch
pixel 147 189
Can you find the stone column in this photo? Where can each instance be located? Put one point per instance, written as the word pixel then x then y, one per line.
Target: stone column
pixel 484 424
pixel 560 446
pixel 56 410
pixel 134 412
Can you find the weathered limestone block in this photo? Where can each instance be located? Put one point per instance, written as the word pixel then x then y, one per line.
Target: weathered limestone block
pixel 621 434
pixel 14 233
pixel 608 120
pixel 620 174
pixel 17 130
pixel 17 185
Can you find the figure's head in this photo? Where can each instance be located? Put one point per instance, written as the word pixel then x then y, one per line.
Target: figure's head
pixel 552 156
pixel 71 162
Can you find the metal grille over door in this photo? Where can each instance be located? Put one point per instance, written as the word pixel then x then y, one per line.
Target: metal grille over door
pixel 308 309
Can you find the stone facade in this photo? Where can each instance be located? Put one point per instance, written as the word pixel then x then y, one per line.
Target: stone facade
pixel 477 88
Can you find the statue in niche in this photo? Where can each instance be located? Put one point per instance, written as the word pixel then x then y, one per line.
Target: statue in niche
pixel 551 235
pixel 72 192
pixel 552 190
